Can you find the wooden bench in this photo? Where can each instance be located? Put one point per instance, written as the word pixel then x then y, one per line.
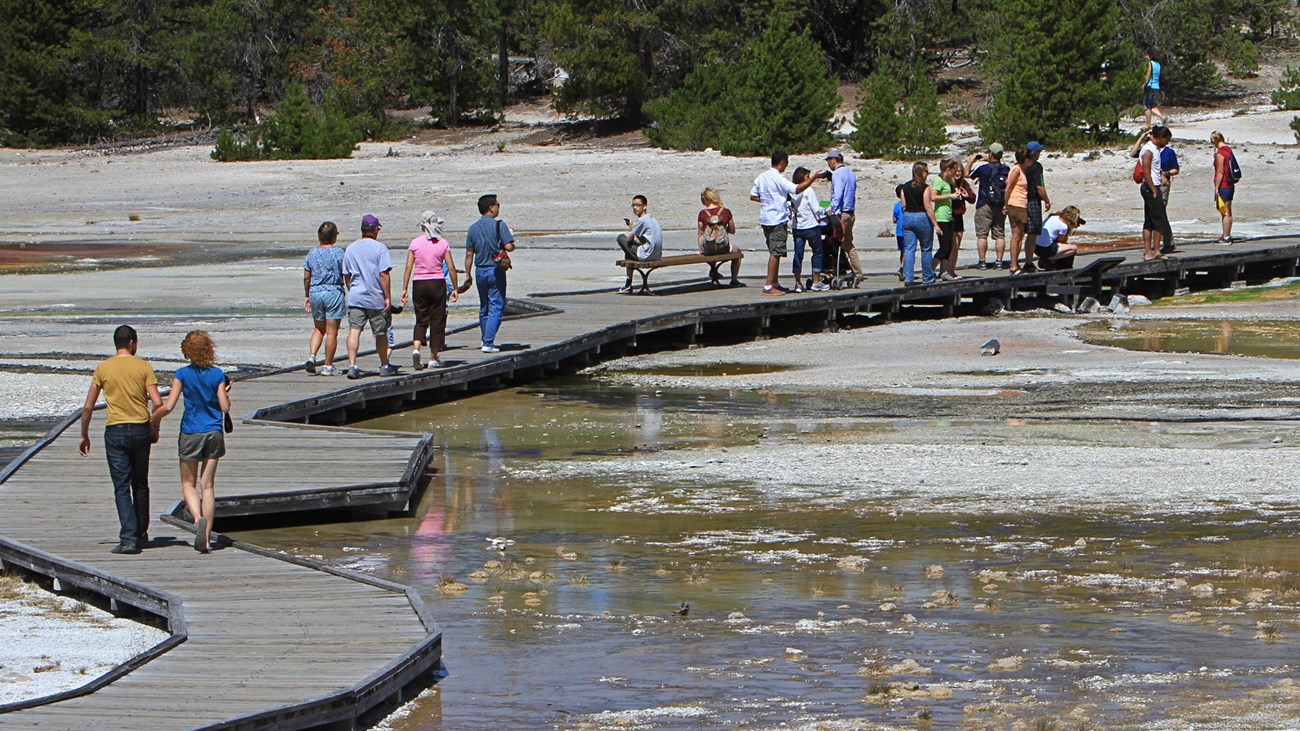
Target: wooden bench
pixel 644 268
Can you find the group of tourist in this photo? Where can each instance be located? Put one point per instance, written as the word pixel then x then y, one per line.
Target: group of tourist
pixel 134 417
pixel 356 282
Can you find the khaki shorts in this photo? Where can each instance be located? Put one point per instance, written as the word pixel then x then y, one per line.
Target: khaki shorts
pixel 379 320
pixel 990 219
pixel 775 237
pixel 201 446
pixel 1018 216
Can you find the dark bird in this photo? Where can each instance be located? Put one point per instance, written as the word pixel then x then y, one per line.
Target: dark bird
pixel 682 609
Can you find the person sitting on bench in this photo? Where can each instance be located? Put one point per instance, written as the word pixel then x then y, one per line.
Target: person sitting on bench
pixel 644 241
pixel 1051 247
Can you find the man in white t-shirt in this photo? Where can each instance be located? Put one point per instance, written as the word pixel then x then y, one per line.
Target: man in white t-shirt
pixel 645 239
pixel 773 192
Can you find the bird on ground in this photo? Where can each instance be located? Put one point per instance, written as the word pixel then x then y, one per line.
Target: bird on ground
pixel 682 609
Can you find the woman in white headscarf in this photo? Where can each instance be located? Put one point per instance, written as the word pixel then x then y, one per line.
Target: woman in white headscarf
pixel 429 264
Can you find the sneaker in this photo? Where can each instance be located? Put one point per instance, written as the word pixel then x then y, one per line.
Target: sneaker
pixel 354 373
pixel 310 366
pixel 980 265
pixel 821 287
pixel 900 275
pixel 798 288
pixel 416 363
pixel 947 277
pixel 1224 241
pixel 388 369
pixel 437 363
pixel 328 370
pixel 625 289
pixel 491 349
pixel 126 548
pixel 772 292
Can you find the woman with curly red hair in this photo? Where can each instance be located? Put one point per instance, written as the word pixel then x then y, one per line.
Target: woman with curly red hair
pixel 202 441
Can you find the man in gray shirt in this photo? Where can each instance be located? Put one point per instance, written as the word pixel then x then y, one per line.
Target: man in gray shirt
pixel 367 276
pixel 645 240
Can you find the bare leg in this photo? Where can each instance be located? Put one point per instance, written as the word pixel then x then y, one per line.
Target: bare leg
pixel 1000 246
pixel 1227 220
pixel 773 270
pixel 952 258
pixel 209 482
pixel 317 337
pixel 982 247
pixel 735 272
pixel 189 481
pixel 1017 236
pixel 331 341
pixel 381 347
pixel 354 344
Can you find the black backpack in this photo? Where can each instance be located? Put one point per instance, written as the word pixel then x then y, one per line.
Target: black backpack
pixel 995 189
pixel 1234 170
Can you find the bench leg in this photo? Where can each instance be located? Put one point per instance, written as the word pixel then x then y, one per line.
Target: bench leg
pixel 714 275
pixel 645 281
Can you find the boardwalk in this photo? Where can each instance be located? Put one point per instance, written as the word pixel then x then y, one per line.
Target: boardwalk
pixel 272 643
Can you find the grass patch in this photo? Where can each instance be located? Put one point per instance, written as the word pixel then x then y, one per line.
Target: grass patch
pixel 1282 293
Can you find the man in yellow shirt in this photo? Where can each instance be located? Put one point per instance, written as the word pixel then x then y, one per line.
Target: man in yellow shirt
pixel 130 387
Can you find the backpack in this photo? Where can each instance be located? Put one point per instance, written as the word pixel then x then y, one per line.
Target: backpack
pixel 1234 170
pixel 716 239
pixel 995 191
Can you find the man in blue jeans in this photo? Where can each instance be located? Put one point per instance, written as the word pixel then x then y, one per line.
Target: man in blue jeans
pixel 485 242
pixel 129 386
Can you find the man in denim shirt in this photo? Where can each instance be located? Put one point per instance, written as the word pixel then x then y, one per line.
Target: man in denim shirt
pixel 844 202
pixel 484 242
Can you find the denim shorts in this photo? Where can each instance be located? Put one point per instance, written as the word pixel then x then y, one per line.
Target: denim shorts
pixel 327 304
pixel 1226 194
pixel 1149 98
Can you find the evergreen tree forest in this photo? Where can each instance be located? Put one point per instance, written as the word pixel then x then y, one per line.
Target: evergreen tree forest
pixel 739 75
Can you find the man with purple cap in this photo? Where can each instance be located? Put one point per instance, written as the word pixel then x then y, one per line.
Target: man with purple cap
pixel 844 203
pixel 367 277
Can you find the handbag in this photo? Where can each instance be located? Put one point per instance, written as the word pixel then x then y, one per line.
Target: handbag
pixel 502 258
pixel 229 424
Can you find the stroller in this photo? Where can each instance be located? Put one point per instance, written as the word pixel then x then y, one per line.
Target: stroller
pixel 837 269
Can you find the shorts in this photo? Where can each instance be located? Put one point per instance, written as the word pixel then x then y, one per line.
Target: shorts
pixel 991 219
pixel 900 241
pixel 1035 213
pixel 1149 100
pixel 328 304
pixel 1018 216
pixel 775 236
pixel 726 248
pixel 958 223
pixel 1226 194
pixel 1047 251
pixel 201 446
pixel 379 320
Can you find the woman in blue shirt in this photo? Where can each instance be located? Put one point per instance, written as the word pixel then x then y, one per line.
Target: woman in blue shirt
pixel 202 441
pixel 1151 90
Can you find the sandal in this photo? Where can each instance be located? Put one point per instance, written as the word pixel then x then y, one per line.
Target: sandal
pixel 1014 272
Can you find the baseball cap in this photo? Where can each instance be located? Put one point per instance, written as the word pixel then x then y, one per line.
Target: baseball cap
pixel 1034 146
pixel 369 221
pixel 996 148
pixel 835 155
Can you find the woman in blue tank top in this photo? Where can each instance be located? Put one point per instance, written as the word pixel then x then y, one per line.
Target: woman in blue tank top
pixel 202 442
pixel 1151 90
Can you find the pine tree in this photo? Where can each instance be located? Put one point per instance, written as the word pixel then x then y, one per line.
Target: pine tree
pixel 1059 70
pixel 691 116
pixel 877 130
pixel 785 96
pixel 921 126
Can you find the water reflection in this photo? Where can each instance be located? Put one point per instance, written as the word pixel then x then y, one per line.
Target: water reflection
pixel 801 612
pixel 1258 338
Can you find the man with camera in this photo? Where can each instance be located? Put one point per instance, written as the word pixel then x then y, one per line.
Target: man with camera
pixel 990 212
pixel 367 277
pixel 645 239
